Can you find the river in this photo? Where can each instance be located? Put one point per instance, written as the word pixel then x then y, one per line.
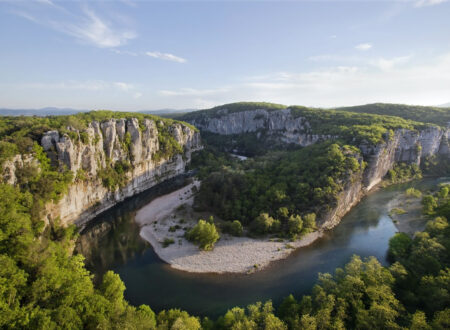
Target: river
pixel 112 241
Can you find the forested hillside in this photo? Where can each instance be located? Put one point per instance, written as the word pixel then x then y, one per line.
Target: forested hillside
pixel 425 114
pixel 43 285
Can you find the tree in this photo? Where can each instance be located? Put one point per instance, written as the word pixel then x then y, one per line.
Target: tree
pixel 204 234
pixel 236 228
pixel 429 204
pixel 264 224
pixel 309 222
pixel 399 246
pixel 175 319
pixel 295 225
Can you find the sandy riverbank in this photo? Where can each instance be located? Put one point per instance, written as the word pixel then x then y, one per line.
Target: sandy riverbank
pixel 406 213
pixel 167 218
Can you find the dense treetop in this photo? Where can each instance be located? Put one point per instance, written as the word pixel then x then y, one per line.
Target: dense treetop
pixel 425 114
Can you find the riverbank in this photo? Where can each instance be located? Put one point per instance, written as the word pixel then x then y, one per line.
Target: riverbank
pixel 164 221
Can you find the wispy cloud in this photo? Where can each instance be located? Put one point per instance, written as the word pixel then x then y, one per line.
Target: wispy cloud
pixel 72 85
pixel 425 3
pixel 87 27
pixel 363 47
pixel 193 92
pixel 124 86
pixel 389 64
pixel 166 57
pixel 383 80
pixel 97 31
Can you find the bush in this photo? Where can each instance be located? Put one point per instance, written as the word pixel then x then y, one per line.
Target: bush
pixel 234 228
pixel 167 242
pixel 411 192
pixel 429 204
pixel 295 225
pixel 264 224
pixel 204 235
pixel 309 222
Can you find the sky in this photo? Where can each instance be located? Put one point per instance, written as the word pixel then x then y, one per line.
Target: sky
pixel 146 55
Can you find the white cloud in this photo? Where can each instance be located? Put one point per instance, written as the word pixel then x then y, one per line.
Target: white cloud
pixel 124 52
pixel 166 57
pixel 389 64
pixel 388 80
pixel 425 3
pixel 89 85
pixel 124 86
pixel 193 92
pixel 363 47
pixel 87 28
pixel 96 31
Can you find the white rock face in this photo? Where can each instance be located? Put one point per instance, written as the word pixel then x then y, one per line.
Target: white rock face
pixel 404 146
pixel 106 144
pixel 280 124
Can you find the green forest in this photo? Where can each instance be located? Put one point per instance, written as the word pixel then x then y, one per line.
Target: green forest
pixel 286 186
pixel 44 285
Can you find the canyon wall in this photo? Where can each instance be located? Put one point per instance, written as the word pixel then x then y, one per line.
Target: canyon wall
pixel 410 146
pixel 103 145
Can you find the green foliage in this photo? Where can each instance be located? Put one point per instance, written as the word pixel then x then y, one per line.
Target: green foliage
pixel 167 241
pixel 264 224
pixel 231 108
pixel 234 228
pixel 295 225
pixel 402 172
pixel 399 246
pixel 177 319
pixel 203 234
pixel 436 165
pixel 397 211
pixel 297 182
pixel 429 203
pixel 435 115
pixel 114 177
pixel 350 127
pixel 411 192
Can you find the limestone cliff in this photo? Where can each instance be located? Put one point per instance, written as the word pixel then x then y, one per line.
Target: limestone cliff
pixel 287 126
pixel 87 152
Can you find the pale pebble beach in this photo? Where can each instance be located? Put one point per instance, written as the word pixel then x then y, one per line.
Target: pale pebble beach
pixel 230 254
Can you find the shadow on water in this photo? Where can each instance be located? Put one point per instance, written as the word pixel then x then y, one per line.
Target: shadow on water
pixel 112 241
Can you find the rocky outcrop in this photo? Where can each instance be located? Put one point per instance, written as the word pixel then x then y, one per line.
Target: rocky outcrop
pixel 280 124
pixel 102 145
pixel 410 146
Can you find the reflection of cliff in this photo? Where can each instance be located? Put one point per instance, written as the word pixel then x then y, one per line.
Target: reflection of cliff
pixel 110 243
pixel 113 237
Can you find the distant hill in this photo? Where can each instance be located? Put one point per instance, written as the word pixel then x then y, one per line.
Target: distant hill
pixel 53 111
pixel 435 115
pixel 48 111
pixel 445 105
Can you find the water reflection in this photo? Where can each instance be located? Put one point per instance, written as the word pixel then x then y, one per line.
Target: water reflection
pixel 113 242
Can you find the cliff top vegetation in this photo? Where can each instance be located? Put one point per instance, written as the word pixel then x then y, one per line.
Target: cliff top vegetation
pixel 422 114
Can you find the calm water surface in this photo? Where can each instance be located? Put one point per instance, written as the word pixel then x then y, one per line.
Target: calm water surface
pixel 112 242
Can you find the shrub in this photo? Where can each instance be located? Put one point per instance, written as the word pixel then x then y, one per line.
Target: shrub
pixel 204 235
pixel 411 192
pixel 397 211
pixel 264 224
pixel 295 225
pixel 167 242
pixel 234 228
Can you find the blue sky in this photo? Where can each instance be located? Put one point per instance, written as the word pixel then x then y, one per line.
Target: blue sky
pixel 134 55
